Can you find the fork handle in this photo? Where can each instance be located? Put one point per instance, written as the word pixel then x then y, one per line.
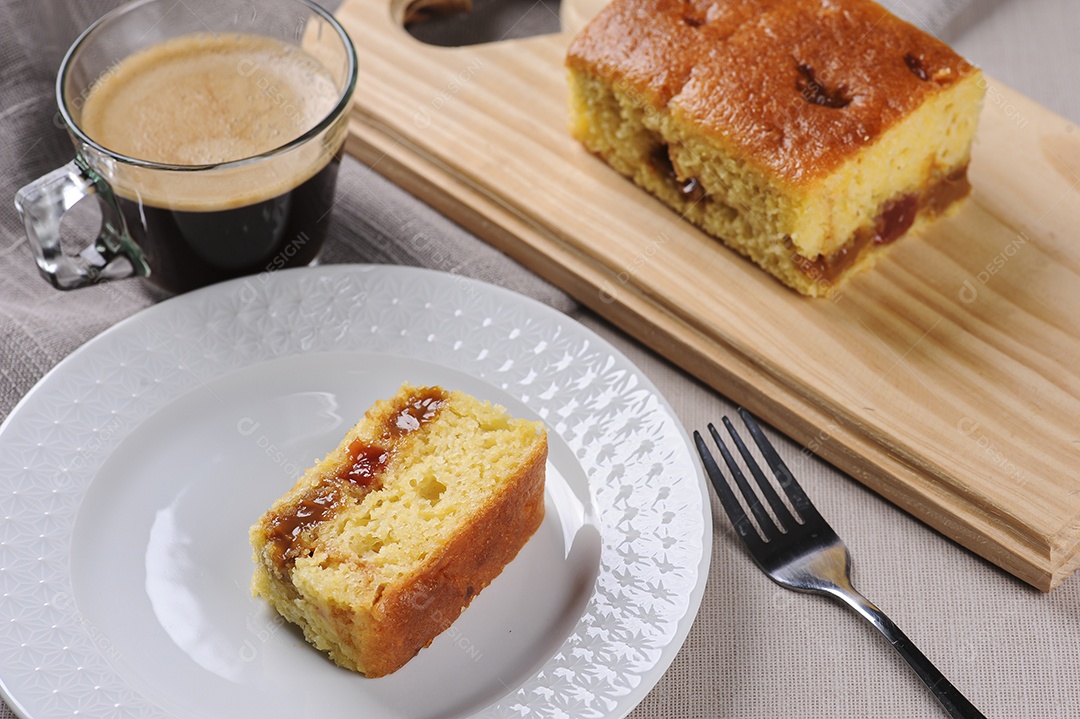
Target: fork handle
pixel 955 703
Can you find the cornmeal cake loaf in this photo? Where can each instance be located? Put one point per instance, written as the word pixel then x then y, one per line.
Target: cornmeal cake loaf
pixel 380 546
pixel 806 134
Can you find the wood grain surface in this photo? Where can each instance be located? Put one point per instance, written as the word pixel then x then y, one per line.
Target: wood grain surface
pixel 945 379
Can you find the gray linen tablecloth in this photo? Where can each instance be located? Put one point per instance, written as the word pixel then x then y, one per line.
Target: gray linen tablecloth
pixel 755 649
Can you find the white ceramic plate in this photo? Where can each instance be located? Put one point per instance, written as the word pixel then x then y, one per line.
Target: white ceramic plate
pixel 130 475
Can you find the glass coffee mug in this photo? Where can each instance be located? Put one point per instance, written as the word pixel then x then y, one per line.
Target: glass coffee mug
pixel 211 131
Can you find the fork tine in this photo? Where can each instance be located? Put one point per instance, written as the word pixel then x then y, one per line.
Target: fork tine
pixel 784 477
pixel 768 529
pixel 731 505
pixel 779 508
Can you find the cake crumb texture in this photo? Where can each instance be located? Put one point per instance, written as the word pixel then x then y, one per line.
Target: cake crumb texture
pixel 806 134
pixel 379 547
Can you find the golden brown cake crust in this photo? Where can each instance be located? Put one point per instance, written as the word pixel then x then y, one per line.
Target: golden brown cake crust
pixel 803 86
pixel 408 616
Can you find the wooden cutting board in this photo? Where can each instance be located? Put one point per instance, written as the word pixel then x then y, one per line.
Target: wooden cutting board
pixel 946 379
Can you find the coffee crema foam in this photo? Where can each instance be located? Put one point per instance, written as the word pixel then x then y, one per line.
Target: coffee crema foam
pixel 204 99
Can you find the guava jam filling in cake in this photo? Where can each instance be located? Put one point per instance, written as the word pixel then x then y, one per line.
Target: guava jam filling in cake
pixel 289 529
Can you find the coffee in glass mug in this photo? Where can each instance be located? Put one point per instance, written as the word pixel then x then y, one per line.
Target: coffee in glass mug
pixel 212 137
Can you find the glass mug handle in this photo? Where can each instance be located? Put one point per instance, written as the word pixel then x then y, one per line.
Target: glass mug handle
pixel 111 256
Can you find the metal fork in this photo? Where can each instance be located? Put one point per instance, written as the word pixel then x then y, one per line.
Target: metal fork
pixel 805 554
